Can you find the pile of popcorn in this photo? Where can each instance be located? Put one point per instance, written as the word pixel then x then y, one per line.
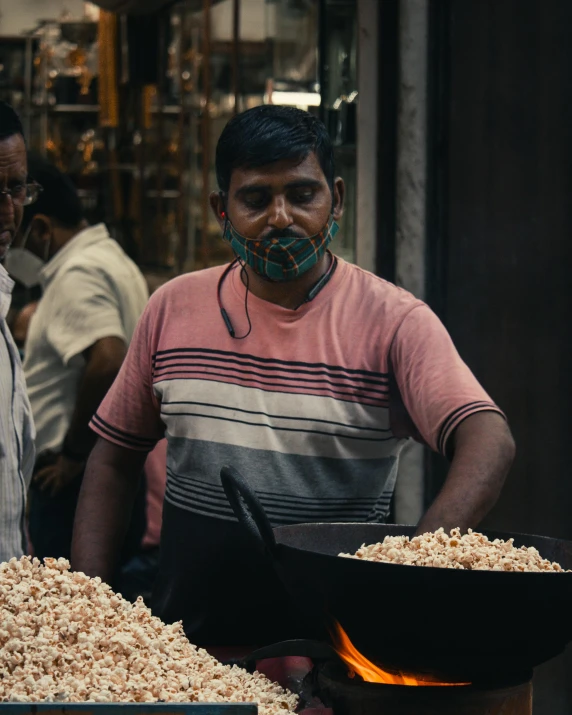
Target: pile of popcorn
pixel 471 551
pixel 65 637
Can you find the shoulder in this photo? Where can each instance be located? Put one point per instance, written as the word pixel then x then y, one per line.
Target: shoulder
pixel 102 258
pixel 377 296
pixel 185 293
pixel 189 286
pixel 172 308
pixel 104 264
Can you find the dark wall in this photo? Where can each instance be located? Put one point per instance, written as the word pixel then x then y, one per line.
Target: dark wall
pixel 502 180
pixel 500 246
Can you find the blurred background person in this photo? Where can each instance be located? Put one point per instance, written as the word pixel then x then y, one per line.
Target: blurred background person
pixel 77 338
pixel 16 426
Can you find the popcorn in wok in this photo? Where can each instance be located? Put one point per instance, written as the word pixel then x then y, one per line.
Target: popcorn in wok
pixel 473 551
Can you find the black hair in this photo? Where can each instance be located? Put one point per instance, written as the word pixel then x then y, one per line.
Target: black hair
pixel 270 133
pixel 10 123
pixel 58 200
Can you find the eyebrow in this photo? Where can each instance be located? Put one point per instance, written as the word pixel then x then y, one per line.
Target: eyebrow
pixel 298 184
pixel 22 179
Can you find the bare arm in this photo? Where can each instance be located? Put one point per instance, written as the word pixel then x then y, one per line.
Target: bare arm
pixel 483 454
pixel 103 361
pixel 104 508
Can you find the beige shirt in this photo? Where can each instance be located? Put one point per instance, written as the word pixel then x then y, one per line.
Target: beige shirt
pixel 92 290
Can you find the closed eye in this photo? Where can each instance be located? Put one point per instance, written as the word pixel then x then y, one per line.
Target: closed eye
pixel 302 196
pixel 256 199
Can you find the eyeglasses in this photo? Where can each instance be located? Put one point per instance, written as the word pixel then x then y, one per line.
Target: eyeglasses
pixel 23 194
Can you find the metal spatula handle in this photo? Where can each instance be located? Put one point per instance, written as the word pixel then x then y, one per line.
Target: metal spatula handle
pixel 302 647
pixel 247 507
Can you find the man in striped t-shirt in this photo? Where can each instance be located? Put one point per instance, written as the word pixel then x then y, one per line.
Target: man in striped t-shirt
pixel 303 371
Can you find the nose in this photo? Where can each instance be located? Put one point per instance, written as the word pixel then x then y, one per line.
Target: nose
pixel 280 215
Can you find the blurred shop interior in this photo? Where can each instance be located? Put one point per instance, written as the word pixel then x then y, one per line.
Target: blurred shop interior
pixel 131 105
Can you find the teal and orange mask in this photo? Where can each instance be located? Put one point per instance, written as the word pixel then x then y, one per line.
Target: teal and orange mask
pixel 284 258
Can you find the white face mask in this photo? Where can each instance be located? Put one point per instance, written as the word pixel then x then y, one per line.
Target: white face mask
pixel 23 265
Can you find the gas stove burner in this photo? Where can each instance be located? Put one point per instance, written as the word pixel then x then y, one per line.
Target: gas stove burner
pixel 327 685
pixel 345 695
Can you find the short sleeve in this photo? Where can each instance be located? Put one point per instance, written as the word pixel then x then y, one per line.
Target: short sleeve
pixel 437 388
pixel 85 309
pixel 129 415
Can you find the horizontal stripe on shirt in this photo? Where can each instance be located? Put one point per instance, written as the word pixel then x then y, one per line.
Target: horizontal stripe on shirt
pixel 303 488
pixel 276 421
pixel 271 363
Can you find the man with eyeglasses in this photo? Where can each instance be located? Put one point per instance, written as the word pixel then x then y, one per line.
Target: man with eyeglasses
pixel 16 425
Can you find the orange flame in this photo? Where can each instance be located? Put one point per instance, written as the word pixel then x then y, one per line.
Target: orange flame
pixel 371 673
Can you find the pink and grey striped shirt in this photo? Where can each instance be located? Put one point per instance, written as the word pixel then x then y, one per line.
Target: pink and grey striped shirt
pixel 314 406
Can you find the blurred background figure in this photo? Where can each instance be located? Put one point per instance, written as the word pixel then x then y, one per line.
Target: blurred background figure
pixel 92 297
pixel 141 563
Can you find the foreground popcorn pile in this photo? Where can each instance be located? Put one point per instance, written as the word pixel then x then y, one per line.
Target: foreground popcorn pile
pixel 470 551
pixel 69 638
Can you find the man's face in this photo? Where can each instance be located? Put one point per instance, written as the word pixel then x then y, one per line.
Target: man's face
pixel 287 198
pixel 13 172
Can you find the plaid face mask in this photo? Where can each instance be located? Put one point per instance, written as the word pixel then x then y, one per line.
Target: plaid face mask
pixel 281 259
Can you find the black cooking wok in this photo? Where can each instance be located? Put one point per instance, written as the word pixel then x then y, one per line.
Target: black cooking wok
pixel 467 624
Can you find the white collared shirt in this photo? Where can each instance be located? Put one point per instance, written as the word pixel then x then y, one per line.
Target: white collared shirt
pixel 92 290
pixel 16 435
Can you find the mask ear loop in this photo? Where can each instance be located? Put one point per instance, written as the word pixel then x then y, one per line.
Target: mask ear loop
pixel 26 235
pixel 243 272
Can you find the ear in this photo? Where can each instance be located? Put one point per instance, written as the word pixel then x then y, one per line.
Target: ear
pixel 339 198
pixel 218 207
pixel 42 227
